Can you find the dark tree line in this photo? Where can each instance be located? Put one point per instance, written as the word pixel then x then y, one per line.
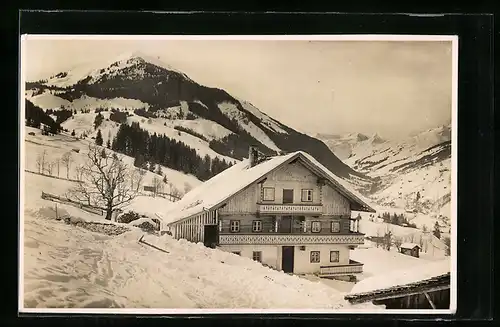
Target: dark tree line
pixel 61 115
pixel 154 149
pixel 35 117
pixel 396 219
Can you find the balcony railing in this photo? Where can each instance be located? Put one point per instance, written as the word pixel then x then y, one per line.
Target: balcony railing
pixel 291 239
pixel 290 208
pixel 353 267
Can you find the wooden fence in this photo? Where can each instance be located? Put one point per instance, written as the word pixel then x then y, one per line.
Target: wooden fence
pixel 85 207
pixel 51 176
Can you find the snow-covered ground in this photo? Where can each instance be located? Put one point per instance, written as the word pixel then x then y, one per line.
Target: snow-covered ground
pixel 403 276
pixel 56 146
pixel 67 266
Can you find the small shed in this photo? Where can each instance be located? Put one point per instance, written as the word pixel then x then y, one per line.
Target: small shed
pixel 412 249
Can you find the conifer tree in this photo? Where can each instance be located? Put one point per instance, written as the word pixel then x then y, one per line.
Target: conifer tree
pixel 98 138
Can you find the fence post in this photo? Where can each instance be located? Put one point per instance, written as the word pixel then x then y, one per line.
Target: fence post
pixel 57 217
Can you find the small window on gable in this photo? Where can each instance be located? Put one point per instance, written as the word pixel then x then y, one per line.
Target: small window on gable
pixel 268 194
pixel 315 258
pixel 316 226
pixel 334 256
pixel 307 195
pixel 257 226
pixel 237 252
pixel 335 226
pixel 257 256
pixel 235 226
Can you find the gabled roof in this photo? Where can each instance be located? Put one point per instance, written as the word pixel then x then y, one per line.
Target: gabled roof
pixel 409 245
pixel 231 181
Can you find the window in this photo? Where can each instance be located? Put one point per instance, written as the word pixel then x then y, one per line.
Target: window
pixel 335 226
pixel 316 226
pixel 257 256
pixel 237 252
pixel 257 226
pixel 268 194
pixel 315 257
pixel 307 195
pixel 235 226
pixel 334 256
pixel 287 196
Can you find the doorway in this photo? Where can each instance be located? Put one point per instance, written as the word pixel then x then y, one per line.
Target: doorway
pixel 287 258
pixel 211 236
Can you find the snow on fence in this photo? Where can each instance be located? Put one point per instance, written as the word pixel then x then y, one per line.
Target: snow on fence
pixel 52 176
pixel 193 228
pixel 85 207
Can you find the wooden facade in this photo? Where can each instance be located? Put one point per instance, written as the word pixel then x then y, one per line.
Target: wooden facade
pixel 285 210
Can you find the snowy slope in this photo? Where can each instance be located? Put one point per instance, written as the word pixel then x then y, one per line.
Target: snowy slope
pixel 416 167
pixel 135 80
pixel 65 266
pixel 55 147
pixel 403 276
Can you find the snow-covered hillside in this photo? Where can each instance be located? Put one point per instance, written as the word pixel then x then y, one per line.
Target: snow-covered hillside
pixel 211 120
pixel 413 174
pixel 53 148
pixel 70 266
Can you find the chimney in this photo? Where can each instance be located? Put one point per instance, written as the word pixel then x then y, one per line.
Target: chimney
pixel 252 156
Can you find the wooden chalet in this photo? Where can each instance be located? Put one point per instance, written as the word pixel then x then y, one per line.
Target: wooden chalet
pixel 288 212
pixel 410 249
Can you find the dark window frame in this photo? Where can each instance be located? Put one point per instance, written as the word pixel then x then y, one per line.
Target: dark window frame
pixel 311 256
pixel 259 259
pixel 231 226
pixel 302 194
pixel 333 224
pixel 261 226
pixel 312 226
pixel 264 194
pixel 338 256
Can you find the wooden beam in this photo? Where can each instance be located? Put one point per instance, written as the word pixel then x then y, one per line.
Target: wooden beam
pixel 429 299
pixel 394 295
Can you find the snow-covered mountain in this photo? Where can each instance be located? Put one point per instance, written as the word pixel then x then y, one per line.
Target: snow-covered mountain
pixel 166 101
pixel 416 167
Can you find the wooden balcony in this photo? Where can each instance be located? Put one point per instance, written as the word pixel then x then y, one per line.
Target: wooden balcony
pixel 353 267
pixel 290 208
pixel 291 239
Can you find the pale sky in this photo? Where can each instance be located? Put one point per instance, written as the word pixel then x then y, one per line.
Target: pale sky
pixel 391 88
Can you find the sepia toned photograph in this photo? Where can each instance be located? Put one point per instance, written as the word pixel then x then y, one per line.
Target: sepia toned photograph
pixel 238 174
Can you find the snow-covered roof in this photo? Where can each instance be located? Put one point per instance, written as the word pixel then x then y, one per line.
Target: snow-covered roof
pixel 400 277
pixel 409 245
pixel 236 178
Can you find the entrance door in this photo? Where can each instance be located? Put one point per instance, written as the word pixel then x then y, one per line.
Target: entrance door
pixel 211 236
pixel 287 255
pixel 286 224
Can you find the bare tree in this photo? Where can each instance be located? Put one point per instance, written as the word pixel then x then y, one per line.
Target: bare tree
pixel 57 163
pixel 174 192
pixel 157 185
pixel 50 167
pixel 388 238
pixel 106 181
pixel 377 239
pixel 66 161
pixel 40 161
pixel 397 242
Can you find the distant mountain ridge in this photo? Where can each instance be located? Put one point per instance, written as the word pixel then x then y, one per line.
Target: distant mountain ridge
pixel 153 90
pixel 417 166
